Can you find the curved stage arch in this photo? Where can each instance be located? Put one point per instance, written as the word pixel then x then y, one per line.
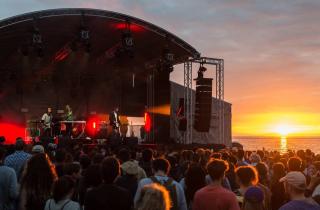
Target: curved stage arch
pixel 93 73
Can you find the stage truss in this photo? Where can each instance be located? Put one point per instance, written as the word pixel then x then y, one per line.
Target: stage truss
pixel 219 72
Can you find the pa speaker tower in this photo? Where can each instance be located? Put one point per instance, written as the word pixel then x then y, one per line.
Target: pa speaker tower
pixel 203 104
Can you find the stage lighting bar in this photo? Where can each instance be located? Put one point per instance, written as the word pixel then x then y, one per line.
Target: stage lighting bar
pixel 127 39
pixel 36 38
pixel 37 43
pixel 167 60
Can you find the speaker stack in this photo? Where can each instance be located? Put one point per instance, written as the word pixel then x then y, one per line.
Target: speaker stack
pixel 203 104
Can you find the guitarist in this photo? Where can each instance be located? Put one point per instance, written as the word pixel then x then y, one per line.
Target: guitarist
pixel 46 121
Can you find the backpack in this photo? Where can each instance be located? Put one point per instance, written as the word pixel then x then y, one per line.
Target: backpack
pixel 171 189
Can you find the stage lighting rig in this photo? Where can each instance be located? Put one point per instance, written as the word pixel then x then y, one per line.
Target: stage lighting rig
pixel 167 60
pixel 36 37
pixel 127 39
pixel 84 36
pixel 37 42
pixel 84 33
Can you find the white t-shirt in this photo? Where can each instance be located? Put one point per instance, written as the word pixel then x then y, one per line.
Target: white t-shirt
pixel 46 120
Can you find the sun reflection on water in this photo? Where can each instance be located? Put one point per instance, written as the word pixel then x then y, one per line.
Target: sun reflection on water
pixel 283 145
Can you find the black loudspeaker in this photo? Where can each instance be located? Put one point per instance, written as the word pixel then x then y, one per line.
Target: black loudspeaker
pixel 203 104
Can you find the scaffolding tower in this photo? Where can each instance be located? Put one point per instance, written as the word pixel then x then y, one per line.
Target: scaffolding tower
pixel 188 100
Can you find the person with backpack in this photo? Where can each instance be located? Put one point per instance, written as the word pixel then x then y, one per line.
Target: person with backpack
pixel 161 168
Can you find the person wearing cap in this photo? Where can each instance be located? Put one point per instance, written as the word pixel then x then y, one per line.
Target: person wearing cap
pixel 129 177
pixel 295 186
pixel 37 149
pixel 253 199
pixel 18 159
pixel 125 156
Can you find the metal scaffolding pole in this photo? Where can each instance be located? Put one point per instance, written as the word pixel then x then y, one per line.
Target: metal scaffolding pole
pixel 219 63
pixel 187 138
pixel 220 96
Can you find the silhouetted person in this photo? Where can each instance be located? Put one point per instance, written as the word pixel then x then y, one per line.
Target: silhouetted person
pixel 108 196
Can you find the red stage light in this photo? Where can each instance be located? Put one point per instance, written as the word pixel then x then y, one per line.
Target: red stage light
pixel 11 132
pixel 147 122
pixel 133 27
pixel 92 126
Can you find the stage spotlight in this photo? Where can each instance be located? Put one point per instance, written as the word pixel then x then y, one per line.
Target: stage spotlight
pixel 147 122
pixel 167 60
pixel 127 39
pixel 36 37
pixel 37 42
pixel 84 33
pixel 168 56
pixel 83 40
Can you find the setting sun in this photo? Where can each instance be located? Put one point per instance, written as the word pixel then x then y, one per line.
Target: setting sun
pixel 284 129
pixel 277 123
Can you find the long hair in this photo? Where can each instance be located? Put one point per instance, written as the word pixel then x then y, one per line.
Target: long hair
pixel 154 197
pixel 37 180
pixel 195 179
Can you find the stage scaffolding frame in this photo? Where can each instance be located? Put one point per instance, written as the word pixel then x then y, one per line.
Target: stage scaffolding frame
pixel 188 100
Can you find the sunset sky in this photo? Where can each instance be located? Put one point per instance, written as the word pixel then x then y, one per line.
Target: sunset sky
pixel 271 51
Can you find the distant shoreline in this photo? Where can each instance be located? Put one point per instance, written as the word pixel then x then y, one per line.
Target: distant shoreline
pixel 274 137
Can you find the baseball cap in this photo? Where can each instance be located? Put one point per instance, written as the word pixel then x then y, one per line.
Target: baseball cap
pixel 296 179
pixel 38 149
pixel 130 167
pixel 254 195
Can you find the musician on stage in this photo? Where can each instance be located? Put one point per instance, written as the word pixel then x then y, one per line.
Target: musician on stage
pixel 68 117
pixel 114 119
pixel 46 121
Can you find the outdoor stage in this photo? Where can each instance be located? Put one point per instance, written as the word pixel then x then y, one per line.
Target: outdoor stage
pixel 95 60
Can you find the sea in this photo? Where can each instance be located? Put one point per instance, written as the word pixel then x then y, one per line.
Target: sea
pixel 281 144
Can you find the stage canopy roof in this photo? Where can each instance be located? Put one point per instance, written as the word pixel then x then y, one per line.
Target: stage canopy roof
pixel 60 31
pixel 81 57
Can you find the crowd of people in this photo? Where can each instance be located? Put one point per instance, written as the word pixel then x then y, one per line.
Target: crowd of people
pixel 53 177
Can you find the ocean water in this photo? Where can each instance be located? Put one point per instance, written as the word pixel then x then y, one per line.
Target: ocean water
pixel 282 144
